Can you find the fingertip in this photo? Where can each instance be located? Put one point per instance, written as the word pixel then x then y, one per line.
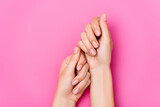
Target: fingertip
pixel 97 32
pixel 92 52
pixel 76 50
pixel 95 44
pixel 103 17
pixel 75 81
pixel 75 91
pixel 95 26
pixel 73 60
pixel 104 26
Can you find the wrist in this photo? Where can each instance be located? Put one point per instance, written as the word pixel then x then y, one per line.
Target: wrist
pixel 100 69
pixel 63 102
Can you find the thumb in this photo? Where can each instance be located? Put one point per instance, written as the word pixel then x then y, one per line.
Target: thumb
pixel 104 27
pixel 65 63
pixel 73 60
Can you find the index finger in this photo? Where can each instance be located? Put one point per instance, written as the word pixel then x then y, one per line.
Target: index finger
pixel 96 26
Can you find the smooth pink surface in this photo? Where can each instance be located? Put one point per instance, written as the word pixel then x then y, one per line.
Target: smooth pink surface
pixel 36 35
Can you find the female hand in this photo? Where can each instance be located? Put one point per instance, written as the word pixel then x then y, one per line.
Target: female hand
pixel 97 44
pixel 98 51
pixel 71 86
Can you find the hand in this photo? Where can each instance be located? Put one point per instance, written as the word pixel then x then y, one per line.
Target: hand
pixel 97 45
pixel 71 86
pixel 98 51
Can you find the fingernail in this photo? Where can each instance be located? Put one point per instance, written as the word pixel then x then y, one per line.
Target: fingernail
pixel 93 52
pixel 104 17
pixel 75 91
pixel 95 44
pixel 74 82
pixel 79 67
pixel 76 50
pixel 97 32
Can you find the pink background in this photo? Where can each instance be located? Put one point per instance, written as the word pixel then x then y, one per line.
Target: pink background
pixel 36 35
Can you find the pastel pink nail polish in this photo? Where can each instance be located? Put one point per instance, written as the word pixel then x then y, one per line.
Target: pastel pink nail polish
pixel 92 52
pixel 75 91
pixel 97 32
pixel 74 82
pixel 95 44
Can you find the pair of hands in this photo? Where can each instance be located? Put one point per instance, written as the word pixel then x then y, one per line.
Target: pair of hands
pixel 92 53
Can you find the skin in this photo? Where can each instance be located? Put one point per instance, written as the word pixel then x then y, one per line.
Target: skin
pixel 68 91
pixel 98 55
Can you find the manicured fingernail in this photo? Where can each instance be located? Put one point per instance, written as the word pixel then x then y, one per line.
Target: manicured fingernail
pixel 76 50
pixel 79 67
pixel 75 91
pixel 74 82
pixel 104 17
pixel 93 52
pixel 97 32
pixel 95 44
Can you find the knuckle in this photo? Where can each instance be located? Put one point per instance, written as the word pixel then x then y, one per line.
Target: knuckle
pixel 62 73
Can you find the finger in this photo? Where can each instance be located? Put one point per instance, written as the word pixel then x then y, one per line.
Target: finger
pixel 65 63
pixel 81 75
pixel 104 27
pixel 82 47
pixel 95 26
pixel 73 60
pixel 88 83
pixel 91 36
pixel 87 44
pixel 81 61
pixel 79 87
pixel 82 91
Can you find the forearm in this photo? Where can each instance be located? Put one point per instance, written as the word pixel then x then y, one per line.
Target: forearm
pixel 101 88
